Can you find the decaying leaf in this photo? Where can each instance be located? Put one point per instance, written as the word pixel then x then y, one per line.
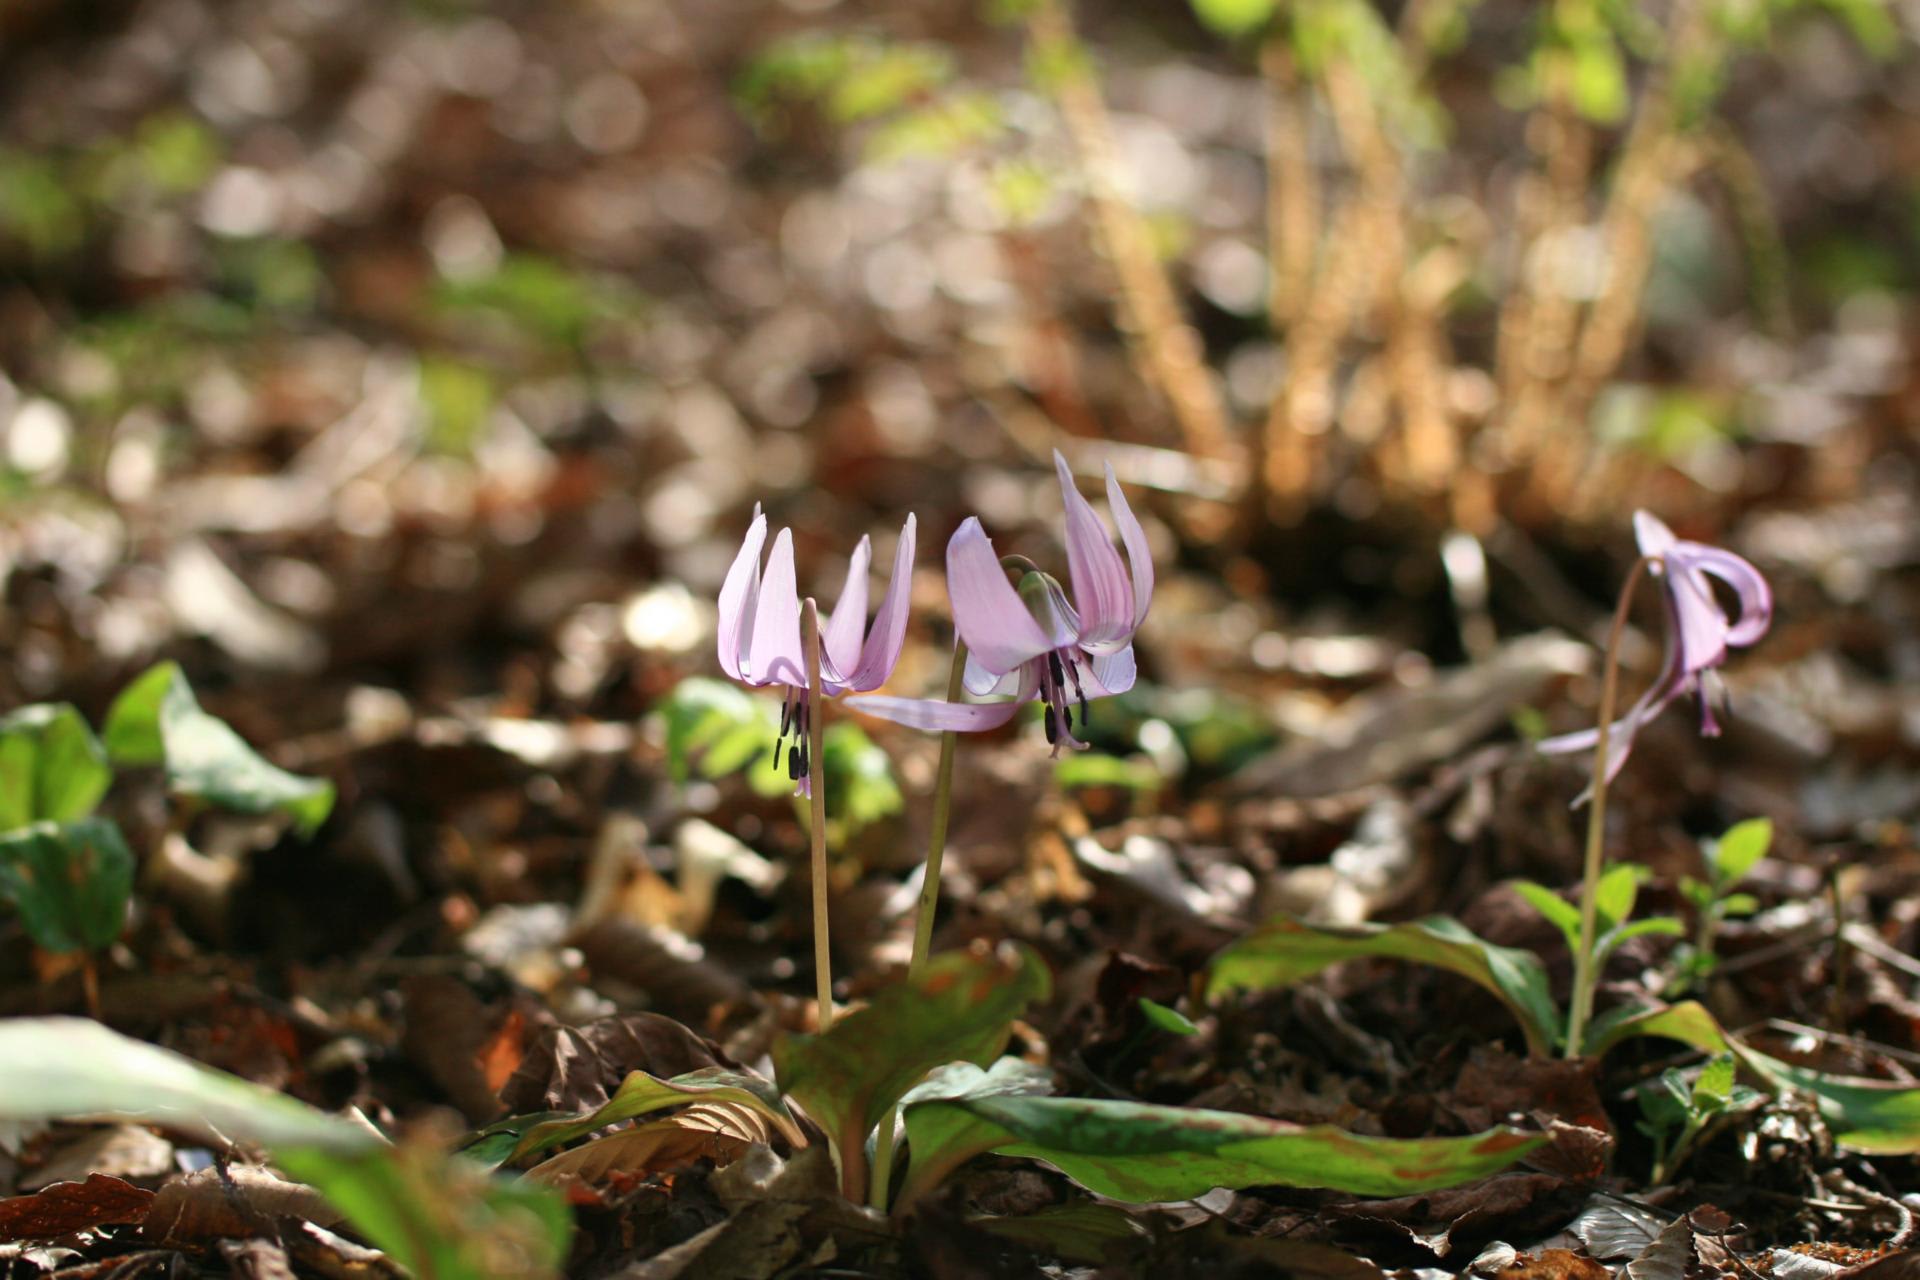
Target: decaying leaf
pixel 67 1207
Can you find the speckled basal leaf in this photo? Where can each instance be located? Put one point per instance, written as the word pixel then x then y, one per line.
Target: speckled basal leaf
pixel 156 720
pixel 52 768
pixel 641 1094
pixel 1144 1153
pixel 961 1008
pixel 1285 950
pixel 69 882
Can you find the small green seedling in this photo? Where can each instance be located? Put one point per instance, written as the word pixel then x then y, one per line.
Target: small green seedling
pixel 1614 896
pixel 1677 1111
pixel 1728 860
pixel 68 872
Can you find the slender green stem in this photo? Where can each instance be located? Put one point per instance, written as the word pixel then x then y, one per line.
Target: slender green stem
pixel 817 786
pixel 929 903
pixel 937 834
pixel 1584 977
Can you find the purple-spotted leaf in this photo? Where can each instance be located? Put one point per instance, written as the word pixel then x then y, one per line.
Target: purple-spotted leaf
pixel 961 1008
pixel 1285 950
pixel 1145 1153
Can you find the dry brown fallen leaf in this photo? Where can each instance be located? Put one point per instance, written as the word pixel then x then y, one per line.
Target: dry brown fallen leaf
pixel 207 1205
pixel 67 1207
pixel 717 1131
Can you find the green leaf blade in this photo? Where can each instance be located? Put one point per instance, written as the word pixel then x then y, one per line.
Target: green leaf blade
pixel 961 1007
pixel 1286 950
pixel 1145 1153
pixel 70 883
pixel 156 720
pixel 52 767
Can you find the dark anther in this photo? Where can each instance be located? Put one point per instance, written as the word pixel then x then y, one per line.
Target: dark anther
pixel 786 717
pixel 1053 730
pixel 1083 710
pixel 793 762
pixel 805 763
pixel 1053 666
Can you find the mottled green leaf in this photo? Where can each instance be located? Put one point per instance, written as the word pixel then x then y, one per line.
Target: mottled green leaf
pixel 156 720
pixel 961 1008
pixel 1144 1153
pixel 1285 950
pixel 70 882
pixel 52 768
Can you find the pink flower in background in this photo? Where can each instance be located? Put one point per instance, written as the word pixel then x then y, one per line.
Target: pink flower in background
pixel 1031 640
pixel 1698 635
pixel 760 641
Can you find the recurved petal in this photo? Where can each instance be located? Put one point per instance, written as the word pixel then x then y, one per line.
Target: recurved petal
pixel 987 611
pixel 931 713
pixel 776 653
pixel 1756 597
pixel 1102 593
pixel 738 597
pixel 1139 555
pixel 1695 616
pixel 1111 673
pixel 981 682
pixel 847 626
pixel 889 631
pixel 1654 537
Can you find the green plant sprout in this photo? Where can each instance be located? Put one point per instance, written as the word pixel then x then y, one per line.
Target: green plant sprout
pixel 68 872
pixel 1614 896
pixel 1679 1108
pixel 1728 860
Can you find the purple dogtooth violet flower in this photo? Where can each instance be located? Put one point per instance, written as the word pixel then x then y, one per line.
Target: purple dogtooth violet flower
pixel 1698 634
pixel 1031 640
pixel 760 642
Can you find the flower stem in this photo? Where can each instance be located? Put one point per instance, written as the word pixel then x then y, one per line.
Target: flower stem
pixel 1584 977
pixel 937 834
pixel 817 789
pixel 929 901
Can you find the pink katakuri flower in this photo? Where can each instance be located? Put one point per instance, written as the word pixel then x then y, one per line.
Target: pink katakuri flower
pixel 1698 634
pixel 1031 640
pixel 760 640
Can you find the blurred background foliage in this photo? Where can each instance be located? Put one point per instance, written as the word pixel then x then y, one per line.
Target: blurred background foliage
pixel 444 347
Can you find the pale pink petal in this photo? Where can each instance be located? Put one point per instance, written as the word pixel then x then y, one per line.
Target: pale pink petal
pixel 847 626
pixel 1654 537
pixel 1102 592
pixel 981 682
pixel 1139 555
pixel 738 597
pixel 1109 673
pixel 889 632
pixel 776 653
pixel 1059 620
pixel 934 714
pixel 1756 597
pixel 987 611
